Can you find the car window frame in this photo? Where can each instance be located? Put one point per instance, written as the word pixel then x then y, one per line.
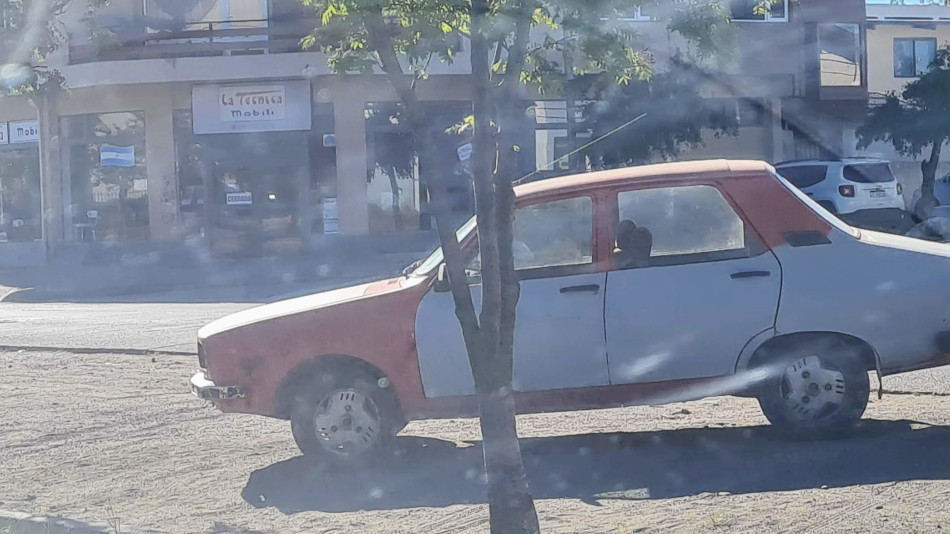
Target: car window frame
pixel 470 247
pixel 556 271
pixel 754 244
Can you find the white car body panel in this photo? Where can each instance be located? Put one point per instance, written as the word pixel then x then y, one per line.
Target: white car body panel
pixel 559 338
pixel 890 291
pixel 687 321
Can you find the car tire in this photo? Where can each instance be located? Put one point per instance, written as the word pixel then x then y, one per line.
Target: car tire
pixel 345 417
pixel 817 390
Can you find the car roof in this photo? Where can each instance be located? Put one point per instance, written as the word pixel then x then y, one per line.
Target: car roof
pixel 685 170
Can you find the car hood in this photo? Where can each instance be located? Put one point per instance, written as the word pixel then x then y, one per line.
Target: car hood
pixel 297 305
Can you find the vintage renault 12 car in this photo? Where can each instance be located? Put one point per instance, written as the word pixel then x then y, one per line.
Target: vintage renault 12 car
pixel 640 285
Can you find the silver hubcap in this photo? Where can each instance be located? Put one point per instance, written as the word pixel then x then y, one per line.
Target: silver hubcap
pixel 811 389
pixel 347 422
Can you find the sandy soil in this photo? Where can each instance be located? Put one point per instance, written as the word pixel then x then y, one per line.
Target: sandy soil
pixel 119 438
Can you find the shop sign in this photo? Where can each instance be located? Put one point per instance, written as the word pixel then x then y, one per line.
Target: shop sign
pixel 251 103
pixel 3 134
pixel 117 156
pixel 239 199
pixel 273 107
pixel 24 131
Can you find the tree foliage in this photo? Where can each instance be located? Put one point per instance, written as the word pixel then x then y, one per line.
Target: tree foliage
pixel 673 115
pixel 916 119
pixel 30 30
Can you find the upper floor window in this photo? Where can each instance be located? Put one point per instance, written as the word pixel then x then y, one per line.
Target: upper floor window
pixel 841 53
pixel 912 57
pixel 761 10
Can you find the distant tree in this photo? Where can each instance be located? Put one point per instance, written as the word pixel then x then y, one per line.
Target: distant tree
pixel 915 120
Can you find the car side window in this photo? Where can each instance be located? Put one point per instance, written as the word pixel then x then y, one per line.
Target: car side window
pixel 554 234
pixel 805 175
pixel 677 225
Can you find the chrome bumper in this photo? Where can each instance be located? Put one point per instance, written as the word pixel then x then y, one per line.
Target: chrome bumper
pixel 206 389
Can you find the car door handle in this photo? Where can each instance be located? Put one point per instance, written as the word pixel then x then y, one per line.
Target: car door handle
pixel 750 274
pixel 588 288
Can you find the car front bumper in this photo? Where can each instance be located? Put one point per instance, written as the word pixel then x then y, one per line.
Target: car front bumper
pixel 206 389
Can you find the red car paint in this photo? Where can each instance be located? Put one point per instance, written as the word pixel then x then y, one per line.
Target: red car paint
pixel 376 322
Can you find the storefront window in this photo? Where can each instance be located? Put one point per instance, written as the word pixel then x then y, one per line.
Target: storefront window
pixel 191 170
pixel 392 171
pixel 323 176
pixel 108 193
pixel 21 210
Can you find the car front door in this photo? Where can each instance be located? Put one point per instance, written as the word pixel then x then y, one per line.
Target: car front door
pixel 559 330
pixel 699 287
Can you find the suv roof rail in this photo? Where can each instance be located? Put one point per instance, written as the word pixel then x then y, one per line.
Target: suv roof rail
pixel 827 160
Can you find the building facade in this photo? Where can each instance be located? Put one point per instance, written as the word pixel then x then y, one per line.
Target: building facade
pixel 211 128
pixel 903 40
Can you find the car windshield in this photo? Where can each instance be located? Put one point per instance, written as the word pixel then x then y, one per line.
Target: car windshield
pixel 434 259
pixel 869 173
pixel 818 208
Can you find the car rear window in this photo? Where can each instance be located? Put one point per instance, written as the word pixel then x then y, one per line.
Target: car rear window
pixel 869 173
pixel 805 175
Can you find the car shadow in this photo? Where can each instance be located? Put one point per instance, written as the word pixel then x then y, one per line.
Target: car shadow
pixel 592 467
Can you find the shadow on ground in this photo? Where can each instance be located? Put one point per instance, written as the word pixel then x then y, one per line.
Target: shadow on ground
pixel 591 467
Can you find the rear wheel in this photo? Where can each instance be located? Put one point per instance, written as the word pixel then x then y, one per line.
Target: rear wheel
pixel 344 417
pixel 817 391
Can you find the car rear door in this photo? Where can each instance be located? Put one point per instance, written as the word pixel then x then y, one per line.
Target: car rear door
pixel 559 331
pixel 708 287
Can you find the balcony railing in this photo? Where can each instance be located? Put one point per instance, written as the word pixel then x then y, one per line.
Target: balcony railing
pixel 195 39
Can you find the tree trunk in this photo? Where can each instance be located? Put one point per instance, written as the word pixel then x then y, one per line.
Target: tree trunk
pixel 511 507
pixel 488 338
pixel 928 169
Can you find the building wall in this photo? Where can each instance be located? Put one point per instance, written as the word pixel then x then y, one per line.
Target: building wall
pixel 881 37
pixel 885 24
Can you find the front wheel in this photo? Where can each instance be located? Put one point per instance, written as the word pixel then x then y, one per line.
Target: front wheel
pixel 344 418
pixel 816 392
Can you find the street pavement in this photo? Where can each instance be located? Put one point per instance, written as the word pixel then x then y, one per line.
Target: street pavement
pixel 162 327
pixel 171 327
pixel 160 322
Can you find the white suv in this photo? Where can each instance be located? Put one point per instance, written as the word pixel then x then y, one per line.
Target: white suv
pixel 862 191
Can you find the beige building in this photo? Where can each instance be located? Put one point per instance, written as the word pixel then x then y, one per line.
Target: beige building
pixel 212 128
pixel 902 41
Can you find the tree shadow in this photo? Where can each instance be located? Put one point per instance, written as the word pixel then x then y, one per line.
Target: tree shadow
pixel 591 467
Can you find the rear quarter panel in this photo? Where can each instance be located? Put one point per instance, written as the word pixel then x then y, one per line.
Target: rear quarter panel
pixel 892 292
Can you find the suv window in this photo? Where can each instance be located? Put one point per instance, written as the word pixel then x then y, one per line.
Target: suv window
pixel 554 234
pixel 869 173
pixel 805 175
pixel 688 224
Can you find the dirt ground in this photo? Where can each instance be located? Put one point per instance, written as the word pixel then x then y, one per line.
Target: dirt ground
pixel 119 438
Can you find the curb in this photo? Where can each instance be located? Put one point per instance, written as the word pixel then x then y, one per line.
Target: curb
pixel 22 523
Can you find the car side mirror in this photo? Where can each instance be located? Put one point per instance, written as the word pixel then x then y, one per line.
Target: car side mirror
pixel 441 280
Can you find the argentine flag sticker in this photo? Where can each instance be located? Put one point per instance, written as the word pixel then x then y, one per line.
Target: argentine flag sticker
pixel 117 156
